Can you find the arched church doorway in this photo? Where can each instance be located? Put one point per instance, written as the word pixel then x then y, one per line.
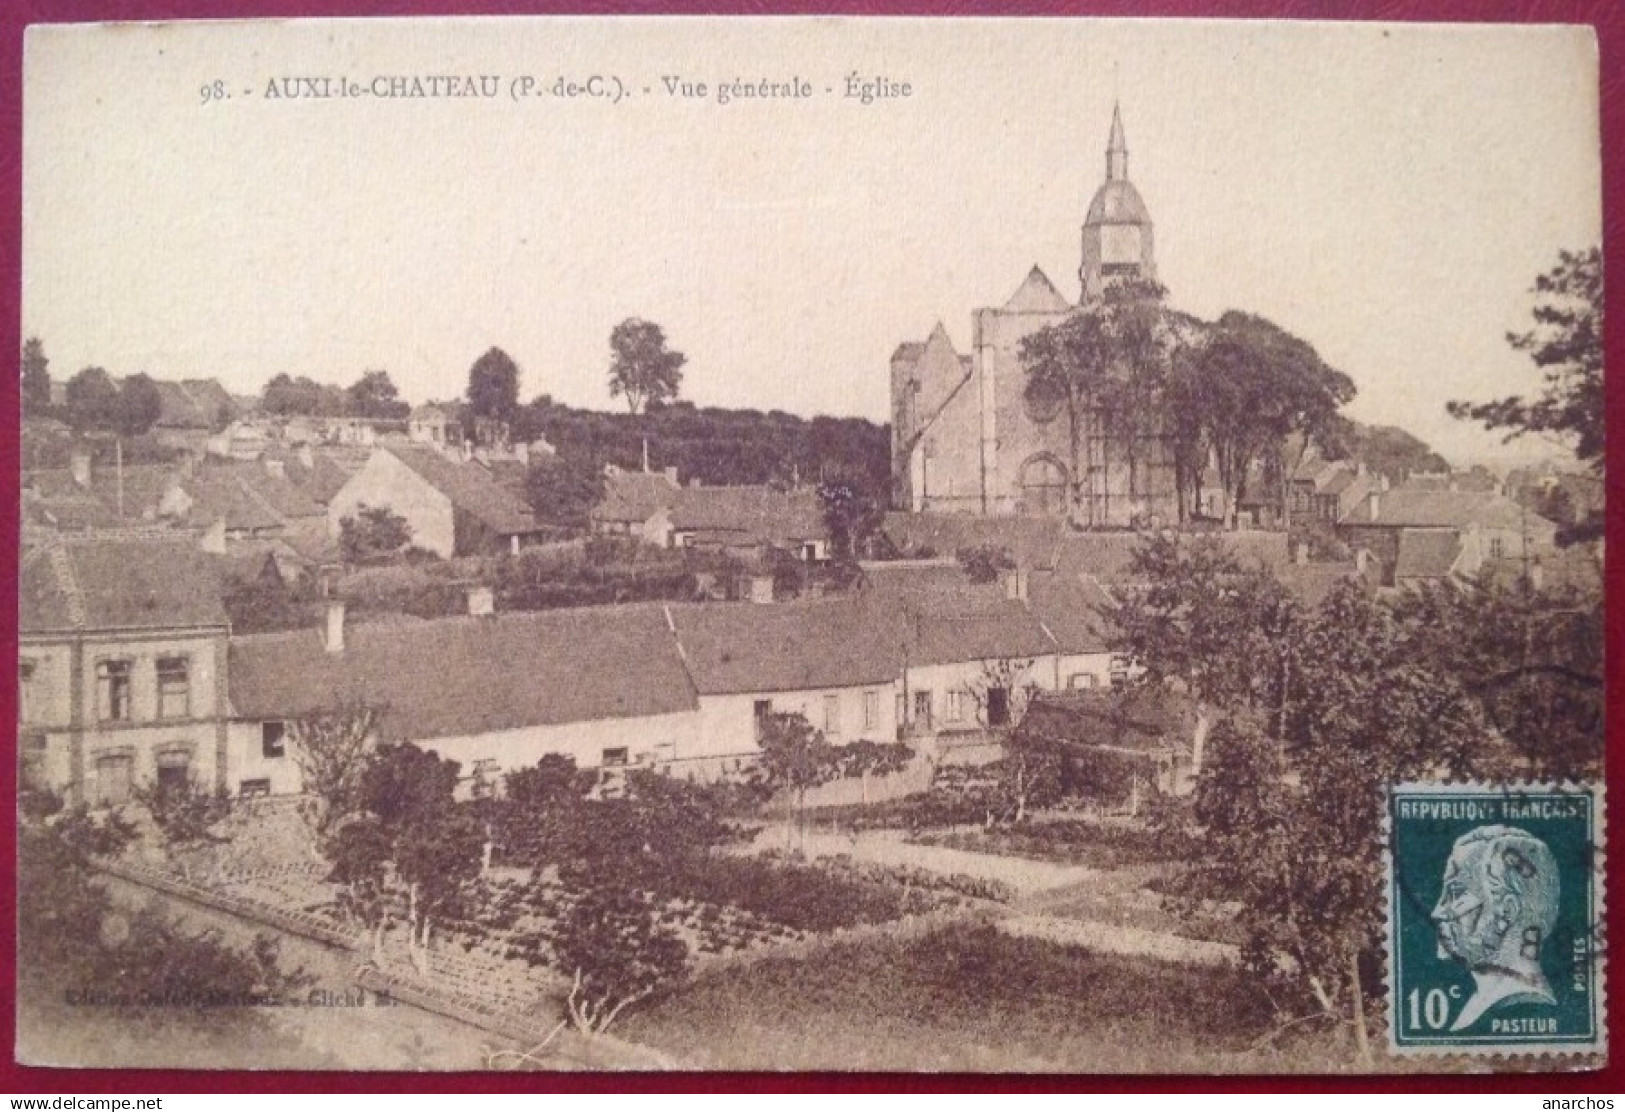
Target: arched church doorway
pixel 1043 487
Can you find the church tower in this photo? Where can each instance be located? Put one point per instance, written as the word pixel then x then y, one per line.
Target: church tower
pixel 1117 237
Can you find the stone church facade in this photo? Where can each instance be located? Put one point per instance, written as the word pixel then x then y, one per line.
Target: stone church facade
pixel 967 439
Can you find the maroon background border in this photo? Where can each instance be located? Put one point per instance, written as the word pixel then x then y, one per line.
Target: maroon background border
pixel 1607 16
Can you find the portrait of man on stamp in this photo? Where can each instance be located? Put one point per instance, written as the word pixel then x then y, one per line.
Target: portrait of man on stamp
pixel 1496 911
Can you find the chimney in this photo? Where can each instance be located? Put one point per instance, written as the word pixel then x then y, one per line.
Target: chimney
pixel 275 468
pixel 1376 506
pixel 1360 558
pixel 1382 482
pixel 307 457
pixel 761 588
pixel 1300 554
pixel 521 452
pixel 79 464
pixel 481 602
pixel 671 476
pixel 1359 468
pixel 335 625
pixel 1015 584
pixel 1537 576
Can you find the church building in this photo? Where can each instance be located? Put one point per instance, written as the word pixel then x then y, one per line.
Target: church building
pixel 966 438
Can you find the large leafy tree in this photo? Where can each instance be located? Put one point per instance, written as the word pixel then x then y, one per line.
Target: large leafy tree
pixel 642 369
pixel 562 490
pixel 1256 385
pixel 435 845
pixel 795 757
pixel 285 396
pixel 92 399
pixel 493 387
pixel 373 533
pixel 36 377
pixel 139 405
pixel 331 750
pixel 1566 345
pixel 1287 816
pixel 373 395
pixel 1105 366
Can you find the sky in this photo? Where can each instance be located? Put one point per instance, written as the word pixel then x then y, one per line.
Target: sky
pixel 1386 192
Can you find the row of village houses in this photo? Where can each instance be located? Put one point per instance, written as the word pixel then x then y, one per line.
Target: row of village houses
pixel 129 672
pixel 287 506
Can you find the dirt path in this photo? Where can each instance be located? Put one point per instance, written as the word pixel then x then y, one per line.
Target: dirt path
pixel 1050 898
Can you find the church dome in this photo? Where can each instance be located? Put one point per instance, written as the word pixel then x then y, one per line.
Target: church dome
pixel 1117 202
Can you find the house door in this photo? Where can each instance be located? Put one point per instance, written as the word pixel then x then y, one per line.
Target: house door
pixel 922 710
pixel 113 780
pixel 998 706
pixel 174 771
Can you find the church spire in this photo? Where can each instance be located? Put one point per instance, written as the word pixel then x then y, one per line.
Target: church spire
pixel 1117 149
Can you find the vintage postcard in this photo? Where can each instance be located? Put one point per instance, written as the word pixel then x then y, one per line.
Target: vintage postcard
pixel 811 544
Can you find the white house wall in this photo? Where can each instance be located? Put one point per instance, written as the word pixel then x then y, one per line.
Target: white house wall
pixel 385 481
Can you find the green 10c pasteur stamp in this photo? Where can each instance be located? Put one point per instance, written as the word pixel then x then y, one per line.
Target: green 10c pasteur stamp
pixel 1494 904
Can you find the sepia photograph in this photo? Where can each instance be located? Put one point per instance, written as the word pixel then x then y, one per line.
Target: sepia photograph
pixel 811 544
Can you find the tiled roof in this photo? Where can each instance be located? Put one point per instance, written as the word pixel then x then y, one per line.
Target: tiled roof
pixel 471 489
pixel 221 493
pixel 908 352
pixel 1109 557
pixel 1312 582
pixel 1036 294
pixel 193 404
pixel 1455 509
pixel 1073 608
pixel 1143 718
pixel 455 677
pixel 735 648
pixel 1031 541
pixel 633 497
pixel 1427 553
pixel 131 579
pixel 754 514
pixel 956 624
pixel 143 487
pixel 890 575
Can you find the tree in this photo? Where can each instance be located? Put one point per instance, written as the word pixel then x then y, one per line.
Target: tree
pixel 372 533
pixel 1566 344
pixel 185 814
pixel 36 377
pixel 1256 385
pixel 852 517
pixel 330 749
pixel 1198 616
pixel 139 405
pixel 562 491
pixel 1083 364
pixel 374 396
pixel 360 853
pixel 794 757
pixel 92 399
pixel 1314 713
pixel 985 563
pixel 493 387
pixel 617 954
pixel 302 397
pixel 641 368
pixel 1385 450
pixel 436 846
pixel 81 944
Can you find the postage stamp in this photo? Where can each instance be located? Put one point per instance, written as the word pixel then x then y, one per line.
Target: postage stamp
pixel 1495 915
